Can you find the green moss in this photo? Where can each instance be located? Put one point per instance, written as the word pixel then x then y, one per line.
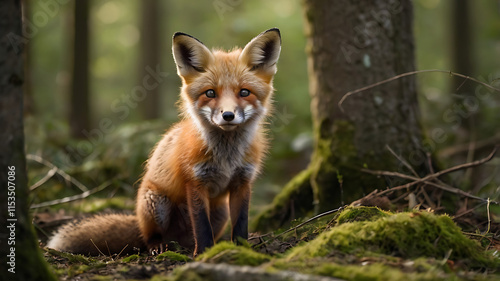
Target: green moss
pixel 407 235
pixel 336 178
pixel 228 252
pixel 173 256
pixel 73 259
pixel 351 214
pixel 332 178
pixel 130 258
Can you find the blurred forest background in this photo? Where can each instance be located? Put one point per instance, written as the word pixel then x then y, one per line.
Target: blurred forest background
pixel 102 87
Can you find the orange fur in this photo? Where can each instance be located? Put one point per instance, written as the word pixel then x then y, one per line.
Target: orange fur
pixel 201 172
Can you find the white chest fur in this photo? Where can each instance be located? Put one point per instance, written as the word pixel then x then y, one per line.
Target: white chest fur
pixel 226 167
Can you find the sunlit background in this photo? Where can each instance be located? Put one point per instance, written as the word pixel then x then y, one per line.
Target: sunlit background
pixel 115 154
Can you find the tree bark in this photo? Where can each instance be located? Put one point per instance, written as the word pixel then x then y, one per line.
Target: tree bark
pixel 462 52
pixel 352 44
pixel 461 45
pixel 150 54
pixel 19 252
pixel 80 99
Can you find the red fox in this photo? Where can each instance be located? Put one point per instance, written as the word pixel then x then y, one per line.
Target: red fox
pixel 202 170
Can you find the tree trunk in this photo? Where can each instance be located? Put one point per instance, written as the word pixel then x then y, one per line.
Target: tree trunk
pixel 461 45
pixel 352 44
pixel 29 101
pixel 19 252
pixel 150 55
pixel 463 62
pixel 80 100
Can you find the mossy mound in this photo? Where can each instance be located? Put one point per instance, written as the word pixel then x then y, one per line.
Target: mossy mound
pixel 406 235
pixel 352 214
pixel 131 258
pixel 172 256
pixel 227 252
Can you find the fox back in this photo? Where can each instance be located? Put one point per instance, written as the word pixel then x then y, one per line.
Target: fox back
pixel 200 173
pixel 209 160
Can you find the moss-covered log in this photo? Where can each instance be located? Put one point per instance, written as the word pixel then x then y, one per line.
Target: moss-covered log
pixel 350 45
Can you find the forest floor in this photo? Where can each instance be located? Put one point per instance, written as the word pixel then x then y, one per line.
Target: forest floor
pixel 352 243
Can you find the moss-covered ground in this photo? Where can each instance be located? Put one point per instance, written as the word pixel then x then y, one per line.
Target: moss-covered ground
pixel 357 243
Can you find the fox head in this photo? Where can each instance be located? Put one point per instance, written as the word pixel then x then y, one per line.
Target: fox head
pixel 226 90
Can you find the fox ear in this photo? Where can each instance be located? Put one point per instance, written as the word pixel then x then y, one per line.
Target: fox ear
pixel 262 53
pixel 190 55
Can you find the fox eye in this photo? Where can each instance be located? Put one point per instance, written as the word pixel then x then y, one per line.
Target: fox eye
pixel 210 93
pixel 244 93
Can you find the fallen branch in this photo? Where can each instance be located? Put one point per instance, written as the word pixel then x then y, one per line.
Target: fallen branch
pixel 43 180
pixel 462 148
pixel 402 160
pixel 310 220
pixel 409 74
pixel 428 178
pixel 72 198
pixel 67 177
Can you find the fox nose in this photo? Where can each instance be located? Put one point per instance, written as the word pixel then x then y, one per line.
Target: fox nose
pixel 228 116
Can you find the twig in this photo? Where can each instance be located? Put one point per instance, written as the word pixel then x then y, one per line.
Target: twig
pixel 43 180
pixel 310 220
pixel 59 171
pixel 461 148
pixel 107 247
pixel 409 74
pixel 431 170
pixel 458 215
pixel 420 180
pixel 97 247
pixel 121 251
pixel 470 156
pixel 430 177
pixel 71 198
pixel 429 162
pixel 402 160
pixel 489 218
pixel 428 199
pixel 463 82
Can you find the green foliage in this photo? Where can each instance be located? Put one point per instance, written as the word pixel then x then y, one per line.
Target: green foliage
pixel 359 243
pixel 130 258
pixel 74 259
pixel 115 159
pixel 72 264
pixel 115 49
pixel 407 235
pixel 351 214
pixel 172 256
pixel 227 252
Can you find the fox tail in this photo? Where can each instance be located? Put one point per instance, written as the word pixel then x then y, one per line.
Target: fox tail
pixel 101 234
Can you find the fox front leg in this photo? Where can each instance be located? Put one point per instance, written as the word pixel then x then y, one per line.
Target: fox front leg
pixel 199 214
pixel 239 202
pixel 154 213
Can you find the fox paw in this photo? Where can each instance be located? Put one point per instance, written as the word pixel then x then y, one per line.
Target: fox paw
pixel 156 250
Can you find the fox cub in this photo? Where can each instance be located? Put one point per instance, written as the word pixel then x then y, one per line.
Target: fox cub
pixel 202 170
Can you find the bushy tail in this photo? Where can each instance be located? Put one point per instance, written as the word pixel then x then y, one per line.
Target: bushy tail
pixel 101 234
